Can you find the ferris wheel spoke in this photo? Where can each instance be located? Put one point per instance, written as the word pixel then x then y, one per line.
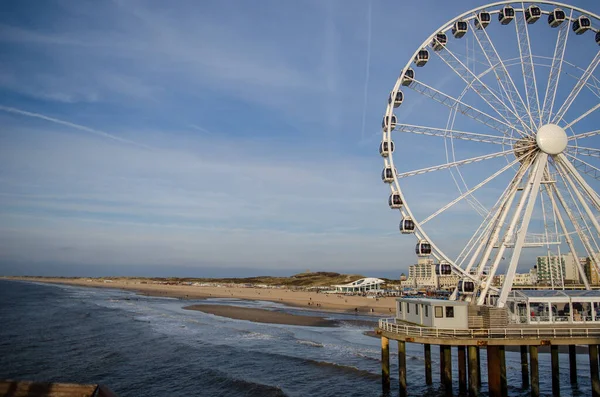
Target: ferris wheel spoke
pixel 473 81
pixel 588 151
pixel 505 81
pixel 453 134
pixel 530 83
pixel 576 89
pixel 555 69
pixel 584 135
pixel 583 116
pixel 470 191
pixel 454 164
pixel 584 167
pixel 469 111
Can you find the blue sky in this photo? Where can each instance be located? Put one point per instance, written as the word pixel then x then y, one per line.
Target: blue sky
pixel 143 136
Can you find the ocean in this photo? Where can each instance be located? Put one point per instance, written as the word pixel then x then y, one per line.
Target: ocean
pixel 150 346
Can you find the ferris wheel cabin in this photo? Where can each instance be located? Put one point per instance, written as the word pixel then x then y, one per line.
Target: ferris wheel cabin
pixel 443 269
pixel 532 14
pixel 598 37
pixel 422 57
pixel 387 175
pixel 581 24
pixel 395 201
pixel 556 17
pixel 439 42
pixel 397 98
pixel 506 15
pixel 423 248
pixel 389 122
pixel 385 149
pixel 459 29
pixel 408 77
pixel 466 287
pixel 483 20
pixel 407 226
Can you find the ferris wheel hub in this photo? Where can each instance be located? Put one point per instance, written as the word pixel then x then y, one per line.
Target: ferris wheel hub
pixel 551 139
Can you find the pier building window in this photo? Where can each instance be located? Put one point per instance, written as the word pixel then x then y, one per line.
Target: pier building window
pixel 407 307
pixel 417 309
pixel 426 311
pixel 449 312
pixel 439 312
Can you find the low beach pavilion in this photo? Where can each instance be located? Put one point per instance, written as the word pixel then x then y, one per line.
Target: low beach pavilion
pixel 362 285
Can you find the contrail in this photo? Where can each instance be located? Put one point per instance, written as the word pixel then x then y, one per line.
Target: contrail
pixel 367 72
pixel 72 125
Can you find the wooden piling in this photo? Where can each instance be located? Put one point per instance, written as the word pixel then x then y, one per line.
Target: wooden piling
pixel 385 363
pixel 448 370
pixel 462 369
pixel 573 363
pixel 442 364
pixel 503 382
pixel 593 353
pixel 402 367
pixel 524 368
pixel 473 371
pixel 534 370
pixel 494 369
pixel 427 354
pixel 479 366
pixel 555 370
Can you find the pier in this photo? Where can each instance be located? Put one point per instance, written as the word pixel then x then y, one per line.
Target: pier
pixel 468 342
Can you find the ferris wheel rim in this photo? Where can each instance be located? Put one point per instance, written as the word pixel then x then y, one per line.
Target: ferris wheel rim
pixel 405 211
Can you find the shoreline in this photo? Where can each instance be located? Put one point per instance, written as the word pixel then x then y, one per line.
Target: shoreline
pixel 313 301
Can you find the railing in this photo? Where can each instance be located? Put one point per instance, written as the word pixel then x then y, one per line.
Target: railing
pixel 390 325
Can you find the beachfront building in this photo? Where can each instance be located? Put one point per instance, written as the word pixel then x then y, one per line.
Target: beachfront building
pixel 362 285
pixel 557 270
pixel 424 275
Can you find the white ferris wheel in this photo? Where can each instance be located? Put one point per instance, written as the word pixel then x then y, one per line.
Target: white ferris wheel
pixel 502 102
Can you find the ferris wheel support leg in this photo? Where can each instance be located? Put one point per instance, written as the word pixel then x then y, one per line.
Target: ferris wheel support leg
pixel 540 169
pixel 592 195
pixel 496 232
pixel 568 238
pixel 567 175
pixel 584 239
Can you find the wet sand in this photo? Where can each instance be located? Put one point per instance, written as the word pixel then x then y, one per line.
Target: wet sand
pixel 262 315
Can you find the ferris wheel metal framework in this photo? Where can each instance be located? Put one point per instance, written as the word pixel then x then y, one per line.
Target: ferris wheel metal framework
pixel 532 130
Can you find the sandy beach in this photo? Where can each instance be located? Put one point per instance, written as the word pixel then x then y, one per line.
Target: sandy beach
pixel 310 300
pixel 262 315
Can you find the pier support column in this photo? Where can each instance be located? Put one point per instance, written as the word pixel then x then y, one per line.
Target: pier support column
pixel 503 382
pixel 479 366
pixel 494 370
pixel 427 354
pixel 535 375
pixel 442 364
pixel 473 371
pixel 555 370
pixel 524 368
pixel 385 364
pixel 593 353
pixel 402 367
pixel 448 370
pixel 462 369
pixel 573 363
